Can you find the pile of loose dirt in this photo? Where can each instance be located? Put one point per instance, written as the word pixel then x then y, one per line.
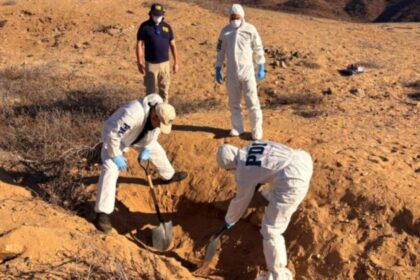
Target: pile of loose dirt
pixel 360 219
pixel 43 241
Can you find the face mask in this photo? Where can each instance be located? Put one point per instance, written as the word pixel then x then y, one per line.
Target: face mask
pixel 157 19
pixel 236 23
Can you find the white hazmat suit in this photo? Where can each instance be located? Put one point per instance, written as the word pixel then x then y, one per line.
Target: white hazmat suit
pixel 239 45
pixel 288 173
pixel 120 131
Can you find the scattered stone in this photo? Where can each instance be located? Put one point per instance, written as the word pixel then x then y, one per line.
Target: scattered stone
pixel 10 250
pixel 130 12
pixel 26 13
pixel 281 58
pixel 111 30
pixel 327 91
pixel 204 43
pixel 2 23
pixel 357 92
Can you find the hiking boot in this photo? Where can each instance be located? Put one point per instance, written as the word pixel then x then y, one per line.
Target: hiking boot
pixel 103 222
pixel 178 176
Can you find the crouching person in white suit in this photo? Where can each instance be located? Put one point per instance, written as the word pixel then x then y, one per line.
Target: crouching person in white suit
pixel 138 124
pixel 287 172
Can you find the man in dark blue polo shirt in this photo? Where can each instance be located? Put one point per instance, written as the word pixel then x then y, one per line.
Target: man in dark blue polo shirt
pixel 156 36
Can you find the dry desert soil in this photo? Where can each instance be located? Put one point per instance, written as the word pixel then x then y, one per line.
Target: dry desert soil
pixel 66 65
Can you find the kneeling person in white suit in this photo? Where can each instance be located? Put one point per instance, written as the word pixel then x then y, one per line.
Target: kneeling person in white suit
pixel 137 123
pixel 287 172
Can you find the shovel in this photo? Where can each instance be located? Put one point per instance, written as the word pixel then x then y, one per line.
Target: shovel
pixel 213 245
pixel 161 235
pixel 214 242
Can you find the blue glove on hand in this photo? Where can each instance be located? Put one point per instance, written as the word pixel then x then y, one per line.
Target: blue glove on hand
pixel 219 77
pixel 229 226
pixel 261 72
pixel 121 162
pixel 145 154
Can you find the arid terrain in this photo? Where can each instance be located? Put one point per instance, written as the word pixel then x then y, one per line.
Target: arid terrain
pixel 66 65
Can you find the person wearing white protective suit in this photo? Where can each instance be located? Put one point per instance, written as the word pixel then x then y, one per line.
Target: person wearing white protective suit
pixel 238 42
pixel 136 124
pixel 287 172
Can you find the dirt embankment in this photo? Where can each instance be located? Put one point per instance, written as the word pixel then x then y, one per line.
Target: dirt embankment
pixel 360 219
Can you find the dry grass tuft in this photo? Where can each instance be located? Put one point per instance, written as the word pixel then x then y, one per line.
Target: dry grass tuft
pixel 9 3
pixel 274 99
pixel 186 107
pixel 52 129
pixel 415 84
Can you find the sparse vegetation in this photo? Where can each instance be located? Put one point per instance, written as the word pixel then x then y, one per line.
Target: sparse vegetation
pixel 93 265
pixel 274 99
pixel 186 107
pixel 9 3
pixel 415 84
pixel 52 130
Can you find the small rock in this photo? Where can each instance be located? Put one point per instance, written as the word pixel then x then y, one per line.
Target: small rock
pixel 10 250
pixel 327 91
pixel 283 64
pixel 357 92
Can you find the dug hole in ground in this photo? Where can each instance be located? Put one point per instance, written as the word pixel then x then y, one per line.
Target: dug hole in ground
pixel 360 219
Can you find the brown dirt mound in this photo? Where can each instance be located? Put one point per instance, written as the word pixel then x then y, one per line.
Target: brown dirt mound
pixel 58 245
pixel 360 218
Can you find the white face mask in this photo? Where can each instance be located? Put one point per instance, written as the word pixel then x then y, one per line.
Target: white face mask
pixel 236 23
pixel 157 19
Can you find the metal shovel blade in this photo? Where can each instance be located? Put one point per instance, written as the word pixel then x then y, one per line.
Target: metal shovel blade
pixel 162 236
pixel 211 250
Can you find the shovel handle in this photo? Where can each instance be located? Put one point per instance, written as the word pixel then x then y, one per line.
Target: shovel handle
pixel 152 191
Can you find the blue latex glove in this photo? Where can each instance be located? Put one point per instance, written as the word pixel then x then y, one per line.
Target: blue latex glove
pixel 121 162
pixel 261 72
pixel 145 154
pixel 229 226
pixel 219 77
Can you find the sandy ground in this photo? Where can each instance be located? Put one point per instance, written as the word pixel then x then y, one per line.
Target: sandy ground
pixel 360 219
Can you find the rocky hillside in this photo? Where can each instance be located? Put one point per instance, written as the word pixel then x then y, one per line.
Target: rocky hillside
pixel 357 10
